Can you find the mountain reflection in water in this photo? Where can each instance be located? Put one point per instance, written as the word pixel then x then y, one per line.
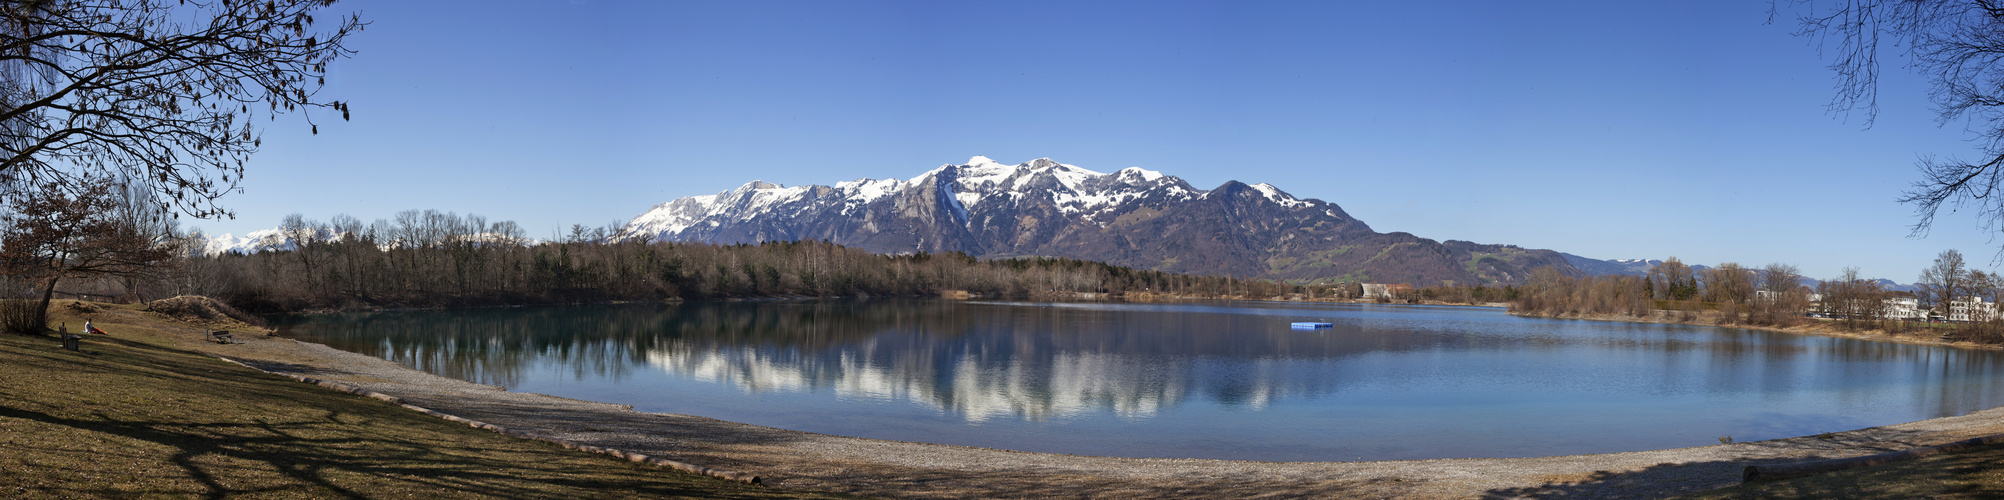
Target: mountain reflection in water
pixel 978 361
pixel 1066 376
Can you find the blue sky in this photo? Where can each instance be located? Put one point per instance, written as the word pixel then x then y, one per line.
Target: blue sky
pixel 1604 129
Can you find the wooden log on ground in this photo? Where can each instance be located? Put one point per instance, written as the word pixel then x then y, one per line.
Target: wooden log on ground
pixel 1785 471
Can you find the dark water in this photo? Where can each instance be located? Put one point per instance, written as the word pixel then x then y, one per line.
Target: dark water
pixel 1205 380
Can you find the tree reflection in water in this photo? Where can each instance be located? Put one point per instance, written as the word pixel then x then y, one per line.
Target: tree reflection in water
pixel 1235 371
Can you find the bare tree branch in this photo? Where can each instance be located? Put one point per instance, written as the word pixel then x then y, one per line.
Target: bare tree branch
pixel 160 90
pixel 1958 45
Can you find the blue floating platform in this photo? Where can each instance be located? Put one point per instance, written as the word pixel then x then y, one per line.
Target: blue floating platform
pixel 1310 325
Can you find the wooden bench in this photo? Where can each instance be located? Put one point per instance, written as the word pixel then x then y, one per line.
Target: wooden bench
pixel 223 337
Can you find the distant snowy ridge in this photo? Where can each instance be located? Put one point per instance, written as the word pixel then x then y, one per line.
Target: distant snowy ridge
pixel 262 240
pixel 964 191
pixel 279 240
pixel 1131 217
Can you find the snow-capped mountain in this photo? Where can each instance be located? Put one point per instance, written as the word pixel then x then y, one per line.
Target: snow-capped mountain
pixel 967 196
pixel 1597 267
pixel 1131 217
pixel 279 240
pixel 250 243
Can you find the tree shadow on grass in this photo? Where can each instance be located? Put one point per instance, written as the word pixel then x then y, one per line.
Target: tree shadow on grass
pixel 1657 481
pixel 353 466
pixel 1673 479
pixel 1966 474
pixel 144 420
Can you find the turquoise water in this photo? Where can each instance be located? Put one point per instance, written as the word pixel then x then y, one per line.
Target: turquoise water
pixel 1225 380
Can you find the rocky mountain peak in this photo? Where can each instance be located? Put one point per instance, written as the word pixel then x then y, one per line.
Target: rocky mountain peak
pixel 1133 217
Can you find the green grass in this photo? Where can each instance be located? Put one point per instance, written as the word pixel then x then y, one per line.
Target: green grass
pixel 1387 250
pixel 1310 260
pixel 1280 263
pixel 130 416
pixel 1970 474
pixel 1474 258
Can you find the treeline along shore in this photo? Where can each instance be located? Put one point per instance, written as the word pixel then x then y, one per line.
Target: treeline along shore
pixel 1951 302
pixel 351 275
pixel 439 260
pixel 431 259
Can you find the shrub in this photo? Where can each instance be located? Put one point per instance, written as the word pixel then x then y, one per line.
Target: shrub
pixel 21 316
pixel 199 308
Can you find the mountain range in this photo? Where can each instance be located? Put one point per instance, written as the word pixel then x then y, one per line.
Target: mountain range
pixel 252 242
pixel 1132 217
pixel 1596 267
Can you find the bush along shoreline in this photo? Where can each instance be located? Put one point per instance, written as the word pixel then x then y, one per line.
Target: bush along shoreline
pixel 1848 306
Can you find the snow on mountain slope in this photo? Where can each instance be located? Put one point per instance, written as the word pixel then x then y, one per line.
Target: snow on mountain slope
pixel 249 243
pixel 277 240
pixel 1131 217
pixel 979 186
pixel 1278 196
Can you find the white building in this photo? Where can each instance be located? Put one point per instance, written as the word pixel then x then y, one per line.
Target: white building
pixel 1903 308
pixel 1385 291
pixel 1765 296
pixel 1971 309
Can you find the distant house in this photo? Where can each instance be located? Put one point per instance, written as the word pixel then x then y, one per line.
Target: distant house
pixel 1374 291
pixel 1903 307
pixel 1971 309
pixel 1764 296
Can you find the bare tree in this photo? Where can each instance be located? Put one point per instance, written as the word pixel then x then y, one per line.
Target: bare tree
pixel 1731 287
pixel 1979 299
pixel 1944 282
pixel 137 206
pixel 309 241
pixel 1959 47
pixel 1779 297
pixel 1779 278
pixel 1673 280
pixel 162 90
pixel 1729 283
pixel 54 236
pixel 193 272
pixel 1855 300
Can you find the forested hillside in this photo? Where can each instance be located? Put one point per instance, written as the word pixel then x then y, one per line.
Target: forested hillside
pixel 442 260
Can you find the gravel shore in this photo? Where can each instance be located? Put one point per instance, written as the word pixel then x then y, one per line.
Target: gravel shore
pixel 791 459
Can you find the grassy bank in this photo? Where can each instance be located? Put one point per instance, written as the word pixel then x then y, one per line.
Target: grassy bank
pixel 135 415
pixel 1908 333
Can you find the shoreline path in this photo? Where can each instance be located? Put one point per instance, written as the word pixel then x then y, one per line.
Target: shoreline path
pixel 792 459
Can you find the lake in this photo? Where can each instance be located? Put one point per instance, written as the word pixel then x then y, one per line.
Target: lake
pixel 1227 380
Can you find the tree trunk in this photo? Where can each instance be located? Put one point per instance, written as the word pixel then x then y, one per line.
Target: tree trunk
pixel 42 313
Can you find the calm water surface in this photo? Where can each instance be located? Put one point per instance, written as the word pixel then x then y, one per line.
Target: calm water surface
pixel 1204 380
